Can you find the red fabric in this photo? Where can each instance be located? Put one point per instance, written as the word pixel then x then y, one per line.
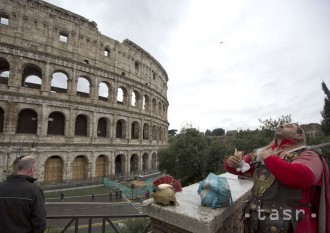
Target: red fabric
pixel 327 194
pixel 302 173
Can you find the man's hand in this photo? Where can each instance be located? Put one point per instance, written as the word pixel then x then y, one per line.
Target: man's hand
pixel 234 161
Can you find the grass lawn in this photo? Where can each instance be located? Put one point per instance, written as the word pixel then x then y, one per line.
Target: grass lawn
pixel 79 192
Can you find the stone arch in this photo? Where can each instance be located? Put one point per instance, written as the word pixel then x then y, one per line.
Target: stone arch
pixel 59 83
pixel 135 101
pixel 80 168
pixel 27 121
pixel 83 86
pixel 145 162
pixel 146 131
pixel 2 119
pixel 135 130
pixel 134 163
pixel 102 127
pixel 54 169
pixel 145 104
pixel 56 123
pixel 164 110
pixel 104 88
pixel 154 162
pixel 100 166
pixel 121 95
pixel 160 108
pixel 81 125
pixel 154 132
pixel 154 106
pixel 121 129
pixel 32 76
pixel 120 164
pixel 160 133
pixel 4 71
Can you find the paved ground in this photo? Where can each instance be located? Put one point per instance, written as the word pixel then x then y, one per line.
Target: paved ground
pixel 84 205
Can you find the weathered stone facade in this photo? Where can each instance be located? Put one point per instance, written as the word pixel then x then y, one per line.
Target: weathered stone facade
pixel 84 104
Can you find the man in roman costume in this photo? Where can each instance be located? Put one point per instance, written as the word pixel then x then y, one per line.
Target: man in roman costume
pixel 291 185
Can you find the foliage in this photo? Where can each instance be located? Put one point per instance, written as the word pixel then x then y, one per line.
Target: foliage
pixel 325 122
pixel 218 132
pixel 216 155
pixel 135 225
pixel 272 124
pixel 208 132
pixel 172 132
pixel 185 156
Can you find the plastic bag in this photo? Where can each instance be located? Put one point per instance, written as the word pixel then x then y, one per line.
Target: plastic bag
pixel 215 192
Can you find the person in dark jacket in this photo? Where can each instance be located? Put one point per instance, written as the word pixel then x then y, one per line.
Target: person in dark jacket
pixel 22 203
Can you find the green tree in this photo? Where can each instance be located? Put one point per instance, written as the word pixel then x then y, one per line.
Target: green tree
pixel 172 132
pixel 216 155
pixel 218 132
pixel 272 124
pixel 325 123
pixel 184 158
pixel 208 132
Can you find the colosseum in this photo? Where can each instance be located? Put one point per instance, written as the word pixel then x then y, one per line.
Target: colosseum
pixel 84 104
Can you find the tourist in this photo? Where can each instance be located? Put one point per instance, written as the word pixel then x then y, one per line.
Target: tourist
pixel 22 203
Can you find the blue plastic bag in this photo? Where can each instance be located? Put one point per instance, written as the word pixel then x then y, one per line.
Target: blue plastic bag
pixel 215 192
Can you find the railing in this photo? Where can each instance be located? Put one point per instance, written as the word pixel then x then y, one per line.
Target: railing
pixel 98 180
pixel 75 220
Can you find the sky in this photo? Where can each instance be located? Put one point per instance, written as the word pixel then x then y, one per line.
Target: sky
pixel 229 63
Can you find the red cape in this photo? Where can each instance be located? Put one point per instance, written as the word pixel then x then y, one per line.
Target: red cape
pixel 324 210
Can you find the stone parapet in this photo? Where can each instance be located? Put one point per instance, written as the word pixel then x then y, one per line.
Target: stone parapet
pixel 191 216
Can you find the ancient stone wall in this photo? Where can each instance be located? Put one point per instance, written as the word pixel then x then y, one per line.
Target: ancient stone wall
pixel 77 99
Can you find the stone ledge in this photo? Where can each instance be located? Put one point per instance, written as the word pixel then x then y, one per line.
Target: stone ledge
pixel 191 216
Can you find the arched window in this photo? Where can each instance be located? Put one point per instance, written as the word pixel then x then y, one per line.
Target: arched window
pixel 27 122
pixel 154 132
pixel 54 169
pixel 81 125
pixel 59 82
pixel 154 106
pixel 102 127
pixel 119 163
pixel 135 99
pixel 83 87
pixel 145 103
pixel 2 118
pixel 103 91
pixel 145 131
pixel 160 134
pixel 134 163
pixel 135 130
pixel 32 77
pixel 121 129
pixel 4 71
pixel 100 166
pixel 121 95
pixel 145 165
pixel 56 124
pixel 154 162
pixel 160 108
pixel 79 168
